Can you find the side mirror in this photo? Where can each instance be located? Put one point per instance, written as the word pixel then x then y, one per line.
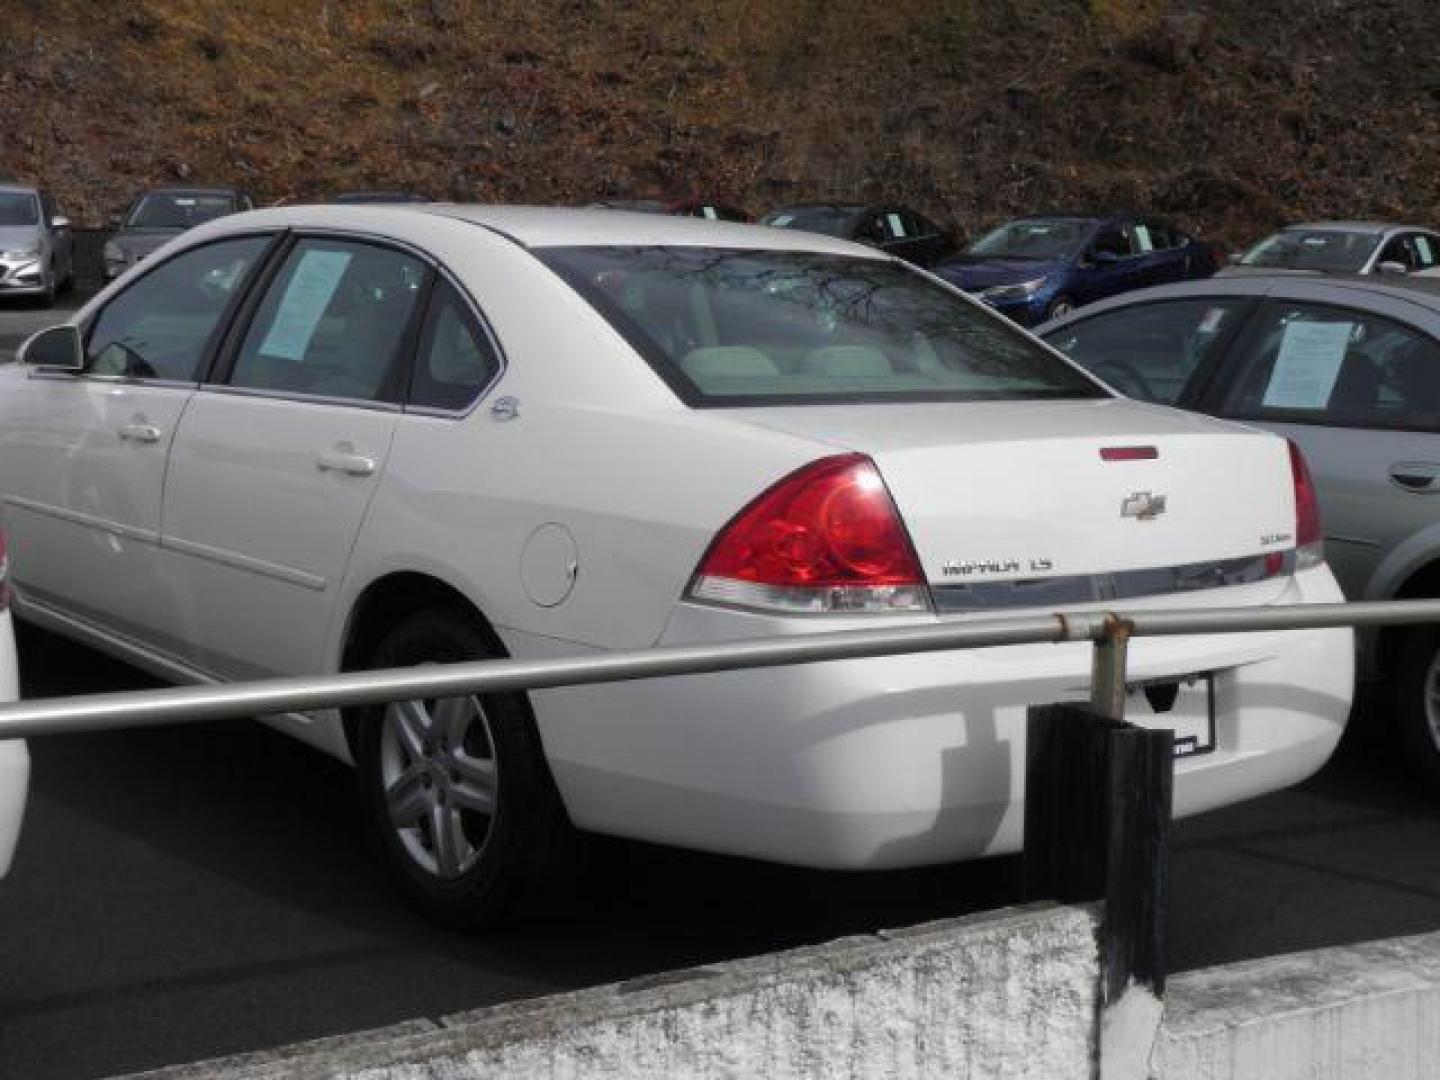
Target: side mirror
pixel 60 221
pixel 56 349
pixel 1390 266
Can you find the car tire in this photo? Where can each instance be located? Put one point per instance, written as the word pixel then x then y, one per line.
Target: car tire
pixel 1417 703
pixel 1061 305
pixel 430 769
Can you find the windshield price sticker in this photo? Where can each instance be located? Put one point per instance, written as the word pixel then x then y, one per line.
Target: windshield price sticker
pixel 1308 365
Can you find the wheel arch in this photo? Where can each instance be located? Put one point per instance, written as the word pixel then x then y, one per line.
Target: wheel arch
pixel 387 600
pixel 1422 582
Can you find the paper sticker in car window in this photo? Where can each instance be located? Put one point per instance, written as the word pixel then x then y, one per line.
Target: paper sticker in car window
pixel 1426 252
pixel 1212 320
pixel 897 227
pixel 1308 365
pixel 1143 241
pixel 309 293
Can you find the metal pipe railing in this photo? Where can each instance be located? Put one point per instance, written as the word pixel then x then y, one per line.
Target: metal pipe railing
pixel 1108 630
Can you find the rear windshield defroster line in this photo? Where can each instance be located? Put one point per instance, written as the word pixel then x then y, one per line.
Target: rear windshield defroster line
pixel 743 327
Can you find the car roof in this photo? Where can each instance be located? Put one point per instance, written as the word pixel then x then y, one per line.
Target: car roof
pixel 172 190
pixel 546 226
pixel 1422 292
pixel 1353 226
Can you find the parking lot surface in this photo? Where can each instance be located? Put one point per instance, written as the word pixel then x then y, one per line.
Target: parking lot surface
pixel 187 892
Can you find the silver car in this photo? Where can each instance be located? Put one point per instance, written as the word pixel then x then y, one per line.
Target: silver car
pixel 1343 247
pixel 1349 368
pixel 36 246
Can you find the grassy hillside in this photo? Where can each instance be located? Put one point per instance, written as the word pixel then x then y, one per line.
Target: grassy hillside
pixel 1230 115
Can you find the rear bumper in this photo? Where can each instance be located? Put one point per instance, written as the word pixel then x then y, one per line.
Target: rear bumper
pixel 14 758
pixel 911 760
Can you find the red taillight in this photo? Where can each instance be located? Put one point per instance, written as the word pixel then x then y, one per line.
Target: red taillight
pixel 4 573
pixel 825 538
pixel 1309 534
pixel 1128 453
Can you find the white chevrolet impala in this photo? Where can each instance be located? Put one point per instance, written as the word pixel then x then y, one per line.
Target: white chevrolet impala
pixel 324 438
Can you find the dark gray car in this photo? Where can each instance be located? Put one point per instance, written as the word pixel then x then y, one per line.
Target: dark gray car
pixel 36 245
pixel 1349 369
pixel 157 216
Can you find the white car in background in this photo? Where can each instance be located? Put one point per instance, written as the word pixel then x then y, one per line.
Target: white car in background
pixel 321 438
pixel 14 757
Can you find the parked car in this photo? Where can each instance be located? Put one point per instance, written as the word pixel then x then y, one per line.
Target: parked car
pixel 689 206
pixel 37 249
pixel 157 216
pixel 14 757
pixel 894 229
pixel 397 195
pixel 1039 268
pixel 319 438
pixel 1344 247
pixel 1350 370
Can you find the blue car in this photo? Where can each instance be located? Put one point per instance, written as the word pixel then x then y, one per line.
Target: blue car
pixel 1039 268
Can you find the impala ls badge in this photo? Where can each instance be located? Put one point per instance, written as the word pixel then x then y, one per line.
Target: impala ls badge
pixel 1143 505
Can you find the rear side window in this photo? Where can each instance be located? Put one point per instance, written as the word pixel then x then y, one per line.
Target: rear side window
pixel 1149 351
pixel 455 361
pixel 159 327
pixel 735 327
pixel 332 323
pixel 1336 366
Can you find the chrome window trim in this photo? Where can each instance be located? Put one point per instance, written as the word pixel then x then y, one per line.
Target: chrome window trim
pixel 303 399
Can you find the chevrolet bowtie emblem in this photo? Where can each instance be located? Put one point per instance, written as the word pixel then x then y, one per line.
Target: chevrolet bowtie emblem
pixel 1143 505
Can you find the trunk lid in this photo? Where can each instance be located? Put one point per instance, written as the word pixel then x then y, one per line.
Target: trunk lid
pixel 1002 493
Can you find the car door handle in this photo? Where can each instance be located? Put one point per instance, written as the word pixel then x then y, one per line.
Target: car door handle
pixel 140 432
pixel 1416 475
pixel 345 461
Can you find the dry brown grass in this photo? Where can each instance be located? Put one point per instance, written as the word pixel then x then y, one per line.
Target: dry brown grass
pixel 1231 115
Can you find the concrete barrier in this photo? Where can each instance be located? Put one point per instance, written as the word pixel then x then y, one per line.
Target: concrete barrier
pixel 1010 995
pixel 1363 1012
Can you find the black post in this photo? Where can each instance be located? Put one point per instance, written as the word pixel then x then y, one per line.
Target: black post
pixel 1097 827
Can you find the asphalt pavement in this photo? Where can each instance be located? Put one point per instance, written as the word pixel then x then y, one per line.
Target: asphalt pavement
pixel 21 318
pixel 187 892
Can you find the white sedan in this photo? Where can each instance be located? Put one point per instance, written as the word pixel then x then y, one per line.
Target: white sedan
pixel 14 756
pixel 322 438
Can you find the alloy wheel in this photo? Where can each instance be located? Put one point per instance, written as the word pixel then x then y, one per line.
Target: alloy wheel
pixel 440 777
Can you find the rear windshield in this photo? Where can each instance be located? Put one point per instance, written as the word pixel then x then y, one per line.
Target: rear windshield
pixel 1330 250
pixel 726 327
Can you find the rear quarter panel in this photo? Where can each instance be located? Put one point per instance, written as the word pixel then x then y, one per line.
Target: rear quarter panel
pixel 601 447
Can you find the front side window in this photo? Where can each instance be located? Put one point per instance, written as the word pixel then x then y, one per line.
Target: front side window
pixel 167 210
pixel 1335 251
pixel 160 326
pixel 1149 351
pixel 18 209
pixel 734 327
pixel 455 361
pixel 332 322
pixel 1309 363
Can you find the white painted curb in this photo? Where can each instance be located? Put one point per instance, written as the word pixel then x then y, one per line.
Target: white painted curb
pixel 1010 995
pixel 1362 1012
